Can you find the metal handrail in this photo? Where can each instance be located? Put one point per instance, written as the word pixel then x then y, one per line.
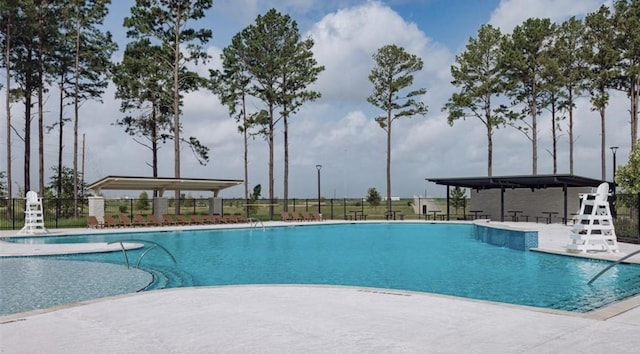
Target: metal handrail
pixel 613 265
pixel 124 253
pixel 254 223
pixel 126 258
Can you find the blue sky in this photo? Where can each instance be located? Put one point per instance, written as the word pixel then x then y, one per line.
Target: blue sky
pixel 338 130
pixel 451 22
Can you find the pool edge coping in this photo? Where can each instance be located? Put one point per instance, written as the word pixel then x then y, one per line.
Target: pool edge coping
pixel 602 314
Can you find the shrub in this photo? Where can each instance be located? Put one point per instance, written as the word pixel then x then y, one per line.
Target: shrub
pixel 143 201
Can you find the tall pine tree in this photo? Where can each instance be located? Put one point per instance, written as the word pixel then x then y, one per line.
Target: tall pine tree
pixel 166 22
pixel 392 78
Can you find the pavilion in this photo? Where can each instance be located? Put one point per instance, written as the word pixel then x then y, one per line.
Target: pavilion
pixel 553 184
pixel 160 184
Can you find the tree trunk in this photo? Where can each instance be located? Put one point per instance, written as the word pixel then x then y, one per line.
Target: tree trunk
pixel 603 142
pixel 246 148
pixel 570 131
pixel 27 138
pixel 8 107
pixel 176 108
pixel 534 141
pixel 154 143
pixel 489 125
pixel 270 141
pixel 40 106
pixel 60 136
pixel 534 127
pixel 634 97
pixel 28 96
pixel 489 150
pixel 554 135
pixel 389 206
pixel 285 193
pixel 76 118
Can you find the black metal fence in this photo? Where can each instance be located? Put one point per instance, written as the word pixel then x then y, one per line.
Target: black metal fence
pixel 59 213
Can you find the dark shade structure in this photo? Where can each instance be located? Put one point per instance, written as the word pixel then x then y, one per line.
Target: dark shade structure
pixel 563 181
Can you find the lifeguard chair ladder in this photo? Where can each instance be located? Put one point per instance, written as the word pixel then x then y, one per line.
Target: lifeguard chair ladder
pixel 33 215
pixel 594 230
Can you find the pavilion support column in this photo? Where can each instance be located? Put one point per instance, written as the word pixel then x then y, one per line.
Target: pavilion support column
pixel 215 205
pixel 96 208
pixel 447 202
pixel 160 206
pixel 501 204
pixel 564 190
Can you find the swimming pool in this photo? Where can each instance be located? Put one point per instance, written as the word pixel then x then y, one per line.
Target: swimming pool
pixel 438 258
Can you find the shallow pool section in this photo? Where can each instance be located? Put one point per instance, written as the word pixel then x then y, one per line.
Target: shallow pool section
pixel 29 283
pixel 438 258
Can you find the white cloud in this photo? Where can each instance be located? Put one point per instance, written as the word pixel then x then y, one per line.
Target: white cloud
pixel 511 13
pixel 346 40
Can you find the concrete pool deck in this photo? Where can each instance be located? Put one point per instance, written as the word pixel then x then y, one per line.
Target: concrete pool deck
pixel 310 319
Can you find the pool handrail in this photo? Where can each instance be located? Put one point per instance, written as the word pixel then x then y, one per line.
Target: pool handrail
pixel 126 258
pixel 613 265
pixel 254 223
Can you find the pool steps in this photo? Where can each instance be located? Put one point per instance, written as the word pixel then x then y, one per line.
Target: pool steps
pixel 162 277
pixel 169 278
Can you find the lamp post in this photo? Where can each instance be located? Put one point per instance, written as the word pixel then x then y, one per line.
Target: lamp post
pixel 613 197
pixel 319 167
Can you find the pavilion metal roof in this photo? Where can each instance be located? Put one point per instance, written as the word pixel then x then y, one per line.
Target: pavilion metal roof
pixel 521 181
pixel 162 183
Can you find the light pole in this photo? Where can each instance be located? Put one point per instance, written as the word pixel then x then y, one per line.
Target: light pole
pixel 319 167
pixel 613 197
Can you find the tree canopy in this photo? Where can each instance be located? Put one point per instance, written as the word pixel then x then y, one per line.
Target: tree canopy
pixel 477 73
pixel 373 197
pixel 628 175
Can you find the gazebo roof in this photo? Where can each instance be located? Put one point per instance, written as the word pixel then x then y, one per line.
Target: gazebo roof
pixel 522 181
pixel 162 183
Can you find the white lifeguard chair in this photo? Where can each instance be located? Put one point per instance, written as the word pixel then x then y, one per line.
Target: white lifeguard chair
pixel 593 229
pixel 33 215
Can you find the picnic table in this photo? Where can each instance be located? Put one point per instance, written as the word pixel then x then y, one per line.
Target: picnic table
pixel 358 215
pixel 549 215
pixel 514 216
pixel 392 214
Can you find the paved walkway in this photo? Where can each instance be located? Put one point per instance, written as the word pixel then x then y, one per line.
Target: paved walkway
pixel 313 319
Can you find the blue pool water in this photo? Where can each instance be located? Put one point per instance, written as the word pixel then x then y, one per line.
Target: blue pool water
pixel 436 258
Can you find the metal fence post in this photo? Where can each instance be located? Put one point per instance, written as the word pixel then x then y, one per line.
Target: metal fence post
pixel 331 203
